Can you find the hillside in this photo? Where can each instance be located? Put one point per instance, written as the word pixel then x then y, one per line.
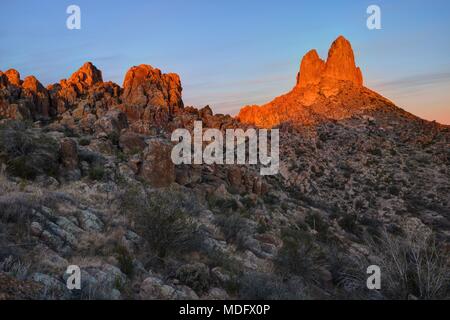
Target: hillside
pixel 86 179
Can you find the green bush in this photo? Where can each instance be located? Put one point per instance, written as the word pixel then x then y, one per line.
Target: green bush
pixel 317 223
pixel 234 227
pixel 348 222
pixel 299 255
pixel 162 220
pixel 125 260
pixel 97 172
pixel 84 142
pixel 196 276
pixel 27 153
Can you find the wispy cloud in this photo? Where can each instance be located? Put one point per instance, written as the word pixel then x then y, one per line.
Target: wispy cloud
pixel 413 82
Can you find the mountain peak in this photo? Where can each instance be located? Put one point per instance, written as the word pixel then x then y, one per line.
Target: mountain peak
pixel 87 75
pixel 341 62
pixel 331 89
pixel 13 77
pixel 340 65
pixel 311 69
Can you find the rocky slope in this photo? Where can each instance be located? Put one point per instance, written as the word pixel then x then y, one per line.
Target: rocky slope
pixel 86 179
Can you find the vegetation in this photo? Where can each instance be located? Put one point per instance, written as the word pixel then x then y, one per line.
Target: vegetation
pixel 27 154
pixel 162 220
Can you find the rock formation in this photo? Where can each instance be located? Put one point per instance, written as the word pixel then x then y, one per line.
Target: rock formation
pixel 150 97
pixel 324 90
pixel 311 69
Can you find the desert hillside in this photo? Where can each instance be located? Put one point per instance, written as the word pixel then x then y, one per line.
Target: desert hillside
pixel 86 179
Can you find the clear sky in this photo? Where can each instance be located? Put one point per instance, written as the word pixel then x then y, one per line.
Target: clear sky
pixel 231 53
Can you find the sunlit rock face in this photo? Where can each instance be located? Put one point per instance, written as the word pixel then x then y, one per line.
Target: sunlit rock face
pixel 341 63
pixel 22 99
pixel 331 89
pixel 150 97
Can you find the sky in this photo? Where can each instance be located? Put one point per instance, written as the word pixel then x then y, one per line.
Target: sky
pixel 233 53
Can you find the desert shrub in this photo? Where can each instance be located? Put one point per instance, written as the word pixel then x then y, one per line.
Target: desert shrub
pixel 15 211
pixel 376 152
pixel 271 199
pixel 410 266
pixel 162 220
pixel 263 227
pixel 196 276
pixel 97 172
pixel 413 265
pixel 114 138
pixel 233 226
pixel 316 222
pixel 125 260
pixel 373 226
pixel 260 286
pixel 28 154
pixel 15 267
pixel 349 222
pixel 69 132
pixel 222 203
pixel 84 142
pixel 299 255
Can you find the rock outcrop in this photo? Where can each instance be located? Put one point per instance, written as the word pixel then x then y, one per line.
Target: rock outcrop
pixel 310 100
pixel 311 69
pixel 35 92
pixel 67 93
pixel 150 98
pixel 341 63
pixel 27 99
pixel 340 66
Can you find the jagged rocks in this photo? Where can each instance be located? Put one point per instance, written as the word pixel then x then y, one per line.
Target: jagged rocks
pixel 145 86
pixel 150 97
pixel 341 63
pixel 324 90
pixel 311 69
pixel 38 95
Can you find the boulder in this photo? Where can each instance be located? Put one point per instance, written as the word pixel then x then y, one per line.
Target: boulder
pixel 157 167
pixel 132 143
pixel 69 153
pixel 113 122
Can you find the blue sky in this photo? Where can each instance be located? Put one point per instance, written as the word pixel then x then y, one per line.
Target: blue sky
pixel 232 53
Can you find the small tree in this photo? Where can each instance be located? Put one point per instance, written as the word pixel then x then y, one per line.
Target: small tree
pixel 161 219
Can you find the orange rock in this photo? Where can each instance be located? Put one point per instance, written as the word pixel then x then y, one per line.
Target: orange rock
pixel 13 77
pixel 39 96
pixel 311 69
pixel 147 86
pixel 325 90
pixel 150 97
pixel 85 77
pixel 341 62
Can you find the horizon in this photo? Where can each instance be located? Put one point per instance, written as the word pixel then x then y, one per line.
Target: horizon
pixel 234 65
